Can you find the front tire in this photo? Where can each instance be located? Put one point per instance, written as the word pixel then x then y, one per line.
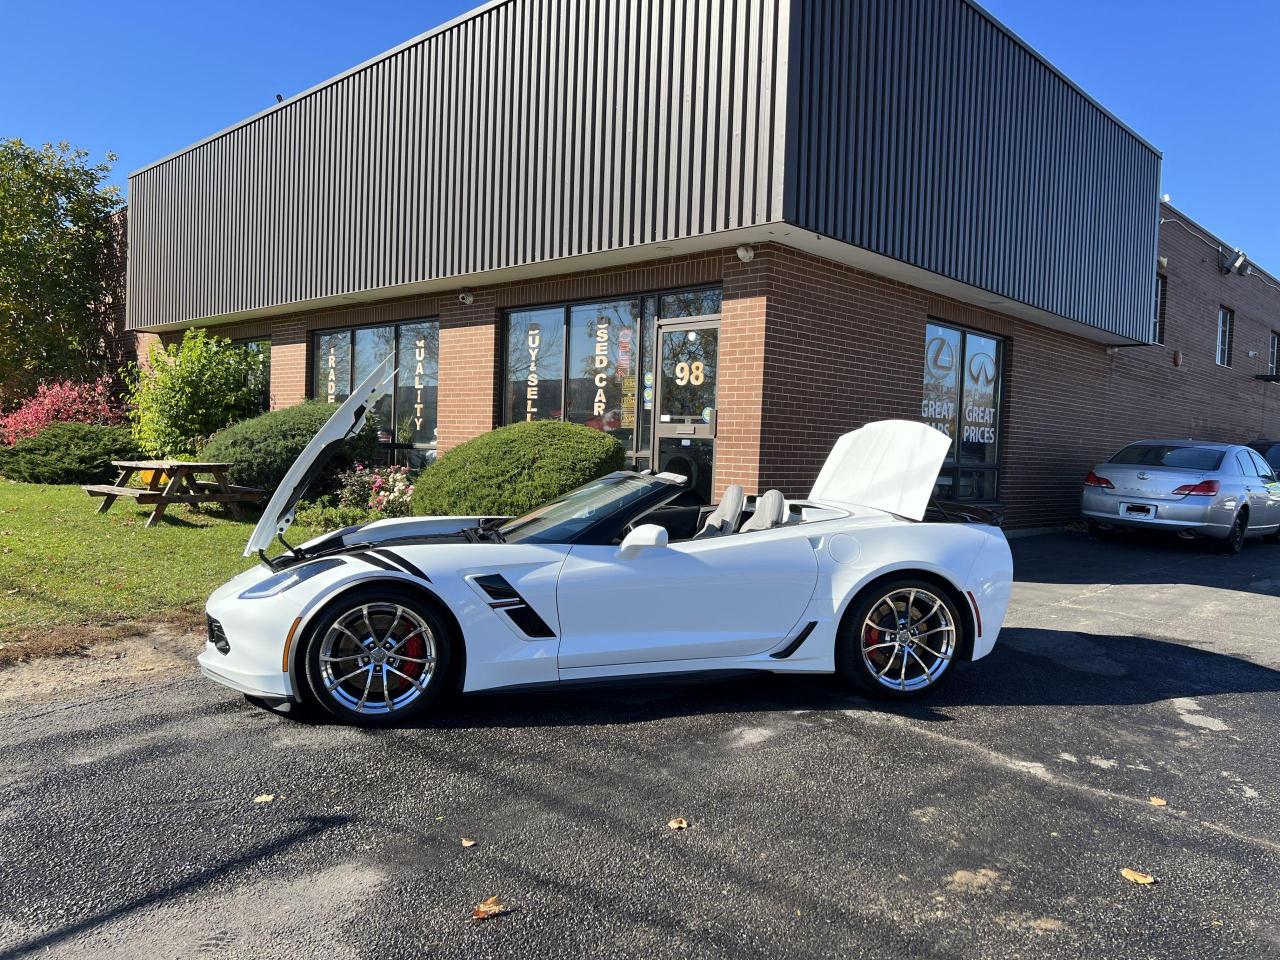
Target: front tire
pixel 378 656
pixel 901 639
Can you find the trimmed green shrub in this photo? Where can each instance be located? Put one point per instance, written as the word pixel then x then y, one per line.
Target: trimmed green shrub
pixel 514 469
pixel 189 390
pixel 261 450
pixel 69 453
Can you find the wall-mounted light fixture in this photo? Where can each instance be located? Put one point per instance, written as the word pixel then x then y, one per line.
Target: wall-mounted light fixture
pixel 1230 261
pixel 746 254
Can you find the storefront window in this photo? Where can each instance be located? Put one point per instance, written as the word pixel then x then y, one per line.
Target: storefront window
pixel 962 399
pixel 417 384
pixel 601 390
pixel 261 349
pixel 372 346
pixel 406 418
pixel 333 366
pixel 594 363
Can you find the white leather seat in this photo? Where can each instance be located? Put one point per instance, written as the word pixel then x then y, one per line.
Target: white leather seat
pixel 724 518
pixel 771 510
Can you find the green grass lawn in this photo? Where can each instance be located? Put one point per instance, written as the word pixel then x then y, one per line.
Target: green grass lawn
pixel 63 566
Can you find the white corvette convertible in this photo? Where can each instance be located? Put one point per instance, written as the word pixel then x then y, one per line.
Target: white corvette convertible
pixel 374 622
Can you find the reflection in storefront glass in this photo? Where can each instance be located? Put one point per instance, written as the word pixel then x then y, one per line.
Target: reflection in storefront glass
pixel 943 355
pixel 692 458
pixel 333 367
pixel 535 364
pixel 601 389
pixel 981 385
pixel 689 374
pixel 418 362
pixel 690 303
pixel 962 399
pixel 372 346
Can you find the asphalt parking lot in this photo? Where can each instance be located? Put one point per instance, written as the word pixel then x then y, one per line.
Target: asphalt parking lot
pixel 991 821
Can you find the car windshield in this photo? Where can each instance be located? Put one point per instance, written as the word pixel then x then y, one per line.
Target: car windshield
pixel 1170 455
pixel 561 519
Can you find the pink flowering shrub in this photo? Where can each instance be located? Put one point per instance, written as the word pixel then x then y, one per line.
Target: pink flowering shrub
pixel 386 491
pixel 63 402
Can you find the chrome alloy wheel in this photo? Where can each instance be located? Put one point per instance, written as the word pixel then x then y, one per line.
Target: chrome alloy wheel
pixel 377 658
pixel 908 639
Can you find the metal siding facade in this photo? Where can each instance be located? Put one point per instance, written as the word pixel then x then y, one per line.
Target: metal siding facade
pixel 923 131
pixel 533 130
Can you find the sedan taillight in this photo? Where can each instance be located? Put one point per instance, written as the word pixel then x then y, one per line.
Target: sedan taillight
pixel 1205 488
pixel 1093 480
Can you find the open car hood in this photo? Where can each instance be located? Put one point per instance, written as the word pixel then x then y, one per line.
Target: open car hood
pixel 890 465
pixel 347 420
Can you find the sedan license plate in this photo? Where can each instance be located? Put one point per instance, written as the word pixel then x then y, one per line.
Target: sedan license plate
pixel 1137 509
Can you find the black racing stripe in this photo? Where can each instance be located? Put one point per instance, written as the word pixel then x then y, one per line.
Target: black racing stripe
pixel 401 561
pixel 375 561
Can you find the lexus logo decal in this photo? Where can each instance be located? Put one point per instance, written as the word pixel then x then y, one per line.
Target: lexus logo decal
pixel 940 356
pixel 982 369
pixel 1143 475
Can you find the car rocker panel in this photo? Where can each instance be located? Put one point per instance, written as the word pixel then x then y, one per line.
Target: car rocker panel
pixel 589 587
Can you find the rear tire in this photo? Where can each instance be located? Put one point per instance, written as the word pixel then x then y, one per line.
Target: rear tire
pixel 1099 532
pixel 901 639
pixel 379 656
pixel 1235 539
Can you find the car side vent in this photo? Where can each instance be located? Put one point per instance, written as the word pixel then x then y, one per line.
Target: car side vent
pixel 217 636
pixel 527 619
pixel 504 598
pixel 496 586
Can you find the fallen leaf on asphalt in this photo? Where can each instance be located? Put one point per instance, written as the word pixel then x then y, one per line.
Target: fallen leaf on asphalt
pixel 679 823
pixel 1159 802
pixel 468 842
pixel 492 907
pixel 1137 876
pixel 264 798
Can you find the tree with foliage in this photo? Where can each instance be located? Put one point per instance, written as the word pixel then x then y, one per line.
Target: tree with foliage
pixel 188 391
pixel 59 255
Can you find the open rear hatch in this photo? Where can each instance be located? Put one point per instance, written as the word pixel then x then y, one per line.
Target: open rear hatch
pixel 889 465
pixel 347 421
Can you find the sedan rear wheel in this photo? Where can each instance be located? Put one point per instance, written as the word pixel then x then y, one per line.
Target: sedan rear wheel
pixel 377 657
pixel 901 639
pixel 1235 539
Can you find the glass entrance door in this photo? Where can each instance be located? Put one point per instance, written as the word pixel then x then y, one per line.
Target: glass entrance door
pixel 684 428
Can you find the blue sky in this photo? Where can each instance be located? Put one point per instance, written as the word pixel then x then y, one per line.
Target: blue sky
pixel 1200 82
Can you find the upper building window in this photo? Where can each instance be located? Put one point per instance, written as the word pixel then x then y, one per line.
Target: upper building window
pixel 406 418
pixel 962 399
pixel 1273 365
pixel 1157 322
pixel 1226 335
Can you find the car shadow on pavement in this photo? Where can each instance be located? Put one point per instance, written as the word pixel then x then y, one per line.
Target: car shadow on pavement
pixel 1029 667
pixel 1139 557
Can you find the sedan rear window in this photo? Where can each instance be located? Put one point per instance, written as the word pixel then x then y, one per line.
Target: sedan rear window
pixel 1170 455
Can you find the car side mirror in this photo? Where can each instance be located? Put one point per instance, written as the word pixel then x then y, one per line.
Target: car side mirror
pixel 645 535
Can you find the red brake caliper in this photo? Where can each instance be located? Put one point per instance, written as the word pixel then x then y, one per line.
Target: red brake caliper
pixel 416 648
pixel 870 637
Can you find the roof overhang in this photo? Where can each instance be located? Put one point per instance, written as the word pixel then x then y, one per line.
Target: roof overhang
pixel 778 232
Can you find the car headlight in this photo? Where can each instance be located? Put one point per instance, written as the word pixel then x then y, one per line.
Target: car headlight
pixel 287 579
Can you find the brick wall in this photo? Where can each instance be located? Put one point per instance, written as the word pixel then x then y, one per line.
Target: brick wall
pixel 844 347
pixel 810 349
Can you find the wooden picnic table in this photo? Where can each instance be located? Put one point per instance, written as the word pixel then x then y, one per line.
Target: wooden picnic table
pixel 173 481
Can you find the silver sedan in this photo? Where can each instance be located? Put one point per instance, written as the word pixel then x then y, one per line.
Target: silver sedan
pixel 1218 490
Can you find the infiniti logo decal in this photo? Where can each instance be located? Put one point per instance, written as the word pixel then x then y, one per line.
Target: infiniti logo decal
pixel 982 369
